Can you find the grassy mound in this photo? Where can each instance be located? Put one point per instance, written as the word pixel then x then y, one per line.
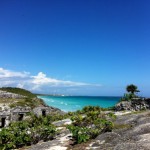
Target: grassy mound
pixel 18 91
pixel 29 100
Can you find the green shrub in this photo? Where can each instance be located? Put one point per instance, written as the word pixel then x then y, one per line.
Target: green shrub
pixel 128 97
pixel 91 108
pixel 89 125
pixel 80 134
pixel 27 132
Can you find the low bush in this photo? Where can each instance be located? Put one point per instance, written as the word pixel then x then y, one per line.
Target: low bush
pixel 27 132
pixel 89 125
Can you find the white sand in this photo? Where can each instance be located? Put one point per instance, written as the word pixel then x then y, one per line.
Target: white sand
pixel 57 148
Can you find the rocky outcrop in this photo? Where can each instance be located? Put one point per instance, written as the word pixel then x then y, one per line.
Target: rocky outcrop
pixel 4 94
pixel 62 122
pixel 132 132
pixel 60 142
pixel 136 104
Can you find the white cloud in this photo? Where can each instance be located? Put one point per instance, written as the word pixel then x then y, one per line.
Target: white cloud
pixel 9 74
pixel 38 83
pixel 42 79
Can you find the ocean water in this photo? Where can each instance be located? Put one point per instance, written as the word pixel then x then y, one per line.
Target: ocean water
pixel 73 103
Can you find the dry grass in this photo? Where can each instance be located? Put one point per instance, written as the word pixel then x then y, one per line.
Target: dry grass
pixel 9 100
pixel 122 126
pixel 13 102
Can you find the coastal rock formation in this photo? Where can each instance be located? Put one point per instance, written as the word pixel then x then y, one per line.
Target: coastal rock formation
pixel 60 142
pixel 4 94
pixel 131 132
pixel 135 104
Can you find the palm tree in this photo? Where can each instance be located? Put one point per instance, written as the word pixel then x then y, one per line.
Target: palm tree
pixel 132 88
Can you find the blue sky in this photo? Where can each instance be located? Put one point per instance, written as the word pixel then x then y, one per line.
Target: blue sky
pixel 77 47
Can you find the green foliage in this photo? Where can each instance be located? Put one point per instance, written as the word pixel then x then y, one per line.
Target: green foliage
pixel 89 125
pixel 112 115
pixel 48 132
pixel 91 108
pixel 15 136
pixel 108 108
pixel 132 88
pixel 80 134
pixel 94 108
pixel 128 97
pixel 27 102
pixel 27 132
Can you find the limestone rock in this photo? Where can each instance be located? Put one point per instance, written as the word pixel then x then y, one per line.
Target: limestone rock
pixel 133 105
pixel 4 94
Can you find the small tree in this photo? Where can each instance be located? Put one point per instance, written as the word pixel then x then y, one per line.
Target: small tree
pixel 132 89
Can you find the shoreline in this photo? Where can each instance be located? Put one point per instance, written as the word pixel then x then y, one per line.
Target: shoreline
pixel 75 103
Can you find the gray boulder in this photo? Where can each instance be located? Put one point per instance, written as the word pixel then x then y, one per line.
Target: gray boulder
pixel 133 105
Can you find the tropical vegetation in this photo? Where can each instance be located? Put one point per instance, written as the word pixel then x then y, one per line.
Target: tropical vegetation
pixel 86 124
pixel 132 89
pixel 27 132
pixel 89 125
pixel 131 93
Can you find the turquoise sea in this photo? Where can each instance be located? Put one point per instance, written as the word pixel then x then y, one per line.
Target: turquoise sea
pixel 73 103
